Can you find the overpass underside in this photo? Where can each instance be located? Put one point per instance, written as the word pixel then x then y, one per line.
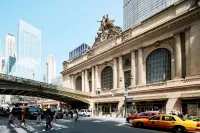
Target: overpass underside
pixel 15 88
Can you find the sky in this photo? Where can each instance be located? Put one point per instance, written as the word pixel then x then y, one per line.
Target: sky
pixel 65 24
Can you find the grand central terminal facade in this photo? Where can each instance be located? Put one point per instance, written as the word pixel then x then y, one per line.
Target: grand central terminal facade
pixel 157 63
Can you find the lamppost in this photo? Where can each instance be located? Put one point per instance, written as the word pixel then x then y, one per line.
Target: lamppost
pixel 33 76
pixel 126 94
pixel 98 91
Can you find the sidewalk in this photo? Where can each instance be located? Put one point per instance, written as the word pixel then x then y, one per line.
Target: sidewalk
pixel 108 118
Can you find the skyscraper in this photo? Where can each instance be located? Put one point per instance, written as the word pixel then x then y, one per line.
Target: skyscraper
pixel 2 64
pixel 50 68
pixel 10 53
pixel 135 11
pixel 29 51
pixel 10 46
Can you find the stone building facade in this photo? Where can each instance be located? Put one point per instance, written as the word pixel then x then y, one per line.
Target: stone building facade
pixel 157 62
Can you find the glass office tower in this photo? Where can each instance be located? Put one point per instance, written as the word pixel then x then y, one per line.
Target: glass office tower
pixel 80 50
pixel 135 11
pixel 29 52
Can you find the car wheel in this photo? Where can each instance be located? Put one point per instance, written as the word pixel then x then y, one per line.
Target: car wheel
pixel 179 129
pixel 130 121
pixel 139 124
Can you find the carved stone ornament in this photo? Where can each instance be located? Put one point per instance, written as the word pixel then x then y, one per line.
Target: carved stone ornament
pixel 107 30
pixel 126 35
pixel 65 64
pixel 90 53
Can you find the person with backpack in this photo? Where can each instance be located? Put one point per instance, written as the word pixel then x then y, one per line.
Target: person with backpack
pixel 48 121
pixel 23 119
pixel 11 120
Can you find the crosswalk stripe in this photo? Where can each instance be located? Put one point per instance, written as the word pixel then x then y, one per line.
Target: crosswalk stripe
pixel 97 121
pixel 59 125
pixel 4 129
pixel 63 120
pixel 28 127
pixel 19 130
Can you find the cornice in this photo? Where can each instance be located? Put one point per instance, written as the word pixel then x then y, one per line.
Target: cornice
pixel 192 14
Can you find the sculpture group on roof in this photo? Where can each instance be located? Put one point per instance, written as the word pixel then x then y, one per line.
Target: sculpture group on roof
pixel 107 30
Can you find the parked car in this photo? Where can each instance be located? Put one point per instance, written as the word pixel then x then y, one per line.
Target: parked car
pixel 84 112
pixel 32 112
pixel 168 122
pixel 142 115
pixel 52 111
pixel 17 111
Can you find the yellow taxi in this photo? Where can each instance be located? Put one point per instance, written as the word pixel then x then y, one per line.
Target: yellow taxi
pixel 171 122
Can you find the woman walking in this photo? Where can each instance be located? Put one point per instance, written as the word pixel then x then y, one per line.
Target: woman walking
pixel 23 119
pixel 76 116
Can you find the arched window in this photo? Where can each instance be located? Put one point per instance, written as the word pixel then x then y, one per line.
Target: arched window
pixel 79 83
pixel 158 66
pixel 107 78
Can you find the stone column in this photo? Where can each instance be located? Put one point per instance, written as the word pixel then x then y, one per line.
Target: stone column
pixel 133 72
pixel 93 81
pixel 121 73
pixel 187 51
pixel 97 77
pixel 115 74
pixel 83 82
pixel 178 65
pixel 140 67
pixel 173 104
pixel 72 82
pixel 86 81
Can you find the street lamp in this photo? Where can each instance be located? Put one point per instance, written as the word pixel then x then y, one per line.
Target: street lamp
pixel 98 92
pixel 126 94
pixel 33 76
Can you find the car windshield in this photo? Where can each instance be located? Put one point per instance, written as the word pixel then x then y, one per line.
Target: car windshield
pixel 54 110
pixel 34 109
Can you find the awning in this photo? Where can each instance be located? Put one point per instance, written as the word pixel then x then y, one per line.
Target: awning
pixel 107 100
pixel 159 97
pixel 189 95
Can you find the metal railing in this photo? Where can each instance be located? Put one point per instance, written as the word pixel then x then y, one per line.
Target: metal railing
pixel 39 84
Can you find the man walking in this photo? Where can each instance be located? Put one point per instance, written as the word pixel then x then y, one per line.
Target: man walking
pixel 48 121
pixel 11 120
pixel 38 116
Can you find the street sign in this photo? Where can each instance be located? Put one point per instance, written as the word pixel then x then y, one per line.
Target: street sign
pixel 129 99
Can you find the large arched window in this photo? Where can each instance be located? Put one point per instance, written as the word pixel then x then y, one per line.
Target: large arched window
pixel 107 78
pixel 158 66
pixel 79 83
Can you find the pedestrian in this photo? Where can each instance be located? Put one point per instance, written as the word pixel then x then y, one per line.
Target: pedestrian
pixel 54 118
pixel 76 116
pixel 23 119
pixel 38 116
pixel 11 119
pixel 48 121
pixel 71 114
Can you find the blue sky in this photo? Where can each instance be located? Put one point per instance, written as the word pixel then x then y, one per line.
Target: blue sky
pixel 64 24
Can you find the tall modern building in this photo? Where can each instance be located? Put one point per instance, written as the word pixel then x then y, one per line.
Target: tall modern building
pixel 10 46
pixel 80 50
pixel 10 53
pixel 2 64
pixel 50 68
pixel 29 51
pixel 135 11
